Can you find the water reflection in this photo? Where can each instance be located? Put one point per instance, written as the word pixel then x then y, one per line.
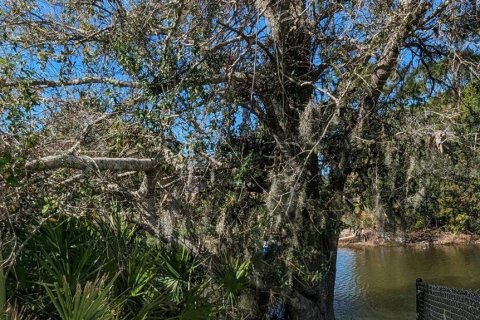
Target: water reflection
pixel 379 283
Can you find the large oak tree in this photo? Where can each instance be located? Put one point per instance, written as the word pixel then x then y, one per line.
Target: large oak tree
pixel 248 116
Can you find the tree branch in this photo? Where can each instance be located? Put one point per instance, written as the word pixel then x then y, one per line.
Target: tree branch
pixel 84 162
pixel 45 83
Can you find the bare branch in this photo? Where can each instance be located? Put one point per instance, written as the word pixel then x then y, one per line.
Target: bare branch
pixel 84 162
pixel 45 83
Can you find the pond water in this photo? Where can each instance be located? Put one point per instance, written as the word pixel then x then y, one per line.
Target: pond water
pixel 379 283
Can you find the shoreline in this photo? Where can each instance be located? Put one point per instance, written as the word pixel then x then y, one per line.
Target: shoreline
pixel 423 238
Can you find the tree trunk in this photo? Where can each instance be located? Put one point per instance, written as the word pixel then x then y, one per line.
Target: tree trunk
pixel 302 300
pixel 301 306
pixel 302 245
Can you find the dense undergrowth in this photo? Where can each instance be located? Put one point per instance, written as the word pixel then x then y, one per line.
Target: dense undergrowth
pixel 83 268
